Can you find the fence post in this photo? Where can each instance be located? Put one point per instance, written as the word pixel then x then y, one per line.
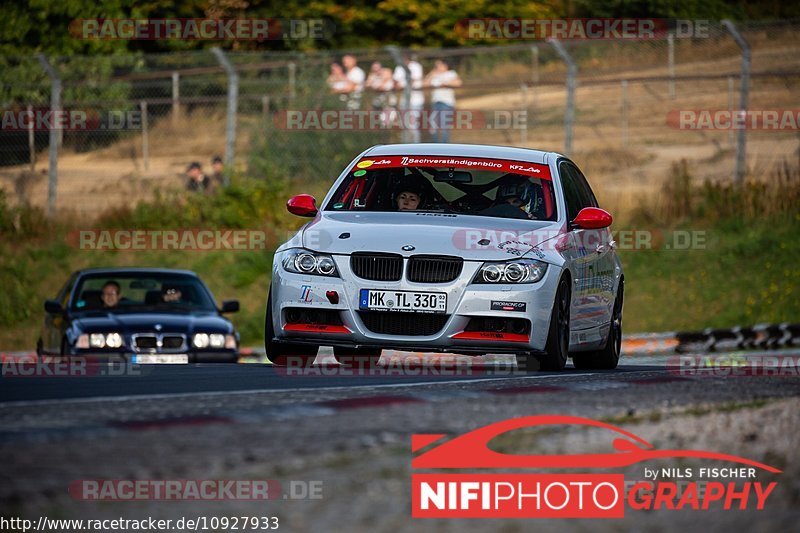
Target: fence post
pixel 671 63
pixel 730 107
pixel 31 139
pixel 176 95
pixel 233 98
pixel 523 132
pixel 265 107
pixel 292 80
pixel 624 113
pixel 744 90
pixel 145 136
pixel 397 56
pixel 55 109
pixel 569 112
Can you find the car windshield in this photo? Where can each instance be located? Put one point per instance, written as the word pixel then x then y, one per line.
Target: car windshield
pixel 129 292
pixel 463 186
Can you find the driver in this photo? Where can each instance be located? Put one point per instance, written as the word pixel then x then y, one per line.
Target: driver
pixel 513 199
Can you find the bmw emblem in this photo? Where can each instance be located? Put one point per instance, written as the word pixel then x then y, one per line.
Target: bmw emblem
pixel 408 248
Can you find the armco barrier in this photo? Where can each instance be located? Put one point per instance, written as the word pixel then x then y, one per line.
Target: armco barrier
pixel 761 336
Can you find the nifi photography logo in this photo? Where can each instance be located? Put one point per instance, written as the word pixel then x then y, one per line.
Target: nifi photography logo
pixel 580 494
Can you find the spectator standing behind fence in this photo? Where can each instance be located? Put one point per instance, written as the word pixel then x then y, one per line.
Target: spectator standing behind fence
pixel 443 80
pixel 198 182
pixel 356 78
pixel 413 111
pixel 337 80
pixel 218 178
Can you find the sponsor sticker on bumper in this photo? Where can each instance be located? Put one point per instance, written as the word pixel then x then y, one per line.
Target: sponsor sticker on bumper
pixel 509 306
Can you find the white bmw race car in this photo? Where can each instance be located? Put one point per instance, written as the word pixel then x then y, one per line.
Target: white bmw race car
pixel 466 249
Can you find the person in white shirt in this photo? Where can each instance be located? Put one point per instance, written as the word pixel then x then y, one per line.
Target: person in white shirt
pixel 356 78
pixel 412 110
pixel 443 81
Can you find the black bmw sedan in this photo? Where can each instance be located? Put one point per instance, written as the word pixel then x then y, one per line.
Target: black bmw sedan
pixel 149 315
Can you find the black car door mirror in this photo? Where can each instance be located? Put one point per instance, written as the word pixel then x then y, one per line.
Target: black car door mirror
pixel 230 306
pixel 53 307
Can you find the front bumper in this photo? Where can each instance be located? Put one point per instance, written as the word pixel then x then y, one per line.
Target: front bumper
pixel 465 301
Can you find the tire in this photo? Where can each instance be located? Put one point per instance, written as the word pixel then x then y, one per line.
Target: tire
pixel 608 357
pixel 357 357
pixel 557 347
pixel 282 354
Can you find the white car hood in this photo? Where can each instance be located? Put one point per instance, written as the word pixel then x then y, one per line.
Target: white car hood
pixel 428 233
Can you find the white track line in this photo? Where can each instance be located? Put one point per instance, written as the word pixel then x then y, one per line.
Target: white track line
pixel 62 401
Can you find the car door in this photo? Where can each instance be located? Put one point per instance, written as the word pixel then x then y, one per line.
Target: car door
pixel 54 324
pixel 582 253
pixel 601 281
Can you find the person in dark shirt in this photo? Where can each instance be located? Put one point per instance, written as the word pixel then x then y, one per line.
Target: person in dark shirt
pixel 218 178
pixel 198 182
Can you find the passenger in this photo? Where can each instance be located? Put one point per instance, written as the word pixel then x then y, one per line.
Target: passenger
pixel 110 294
pixel 409 192
pixel 408 201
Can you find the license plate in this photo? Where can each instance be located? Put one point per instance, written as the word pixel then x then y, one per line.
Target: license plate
pixel 161 358
pixel 406 301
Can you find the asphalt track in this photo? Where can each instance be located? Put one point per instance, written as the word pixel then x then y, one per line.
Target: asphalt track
pixel 396 372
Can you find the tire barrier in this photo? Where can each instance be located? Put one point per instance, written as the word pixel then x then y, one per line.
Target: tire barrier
pixel 710 340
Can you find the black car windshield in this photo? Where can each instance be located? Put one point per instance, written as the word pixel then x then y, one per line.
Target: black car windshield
pixel 127 292
pixel 465 186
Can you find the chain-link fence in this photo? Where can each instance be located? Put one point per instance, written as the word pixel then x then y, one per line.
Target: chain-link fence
pixel 637 107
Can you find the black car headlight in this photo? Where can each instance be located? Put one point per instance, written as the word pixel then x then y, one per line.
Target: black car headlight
pixel 519 271
pixel 307 262
pixel 214 340
pixel 99 340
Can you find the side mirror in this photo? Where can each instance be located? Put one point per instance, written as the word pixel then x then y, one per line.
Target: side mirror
pixel 53 307
pixel 592 218
pixel 302 205
pixel 230 306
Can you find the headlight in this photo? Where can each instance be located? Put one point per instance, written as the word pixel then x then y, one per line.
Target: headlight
pixel 212 340
pixel 200 340
pixel 103 340
pixel 521 271
pixel 306 262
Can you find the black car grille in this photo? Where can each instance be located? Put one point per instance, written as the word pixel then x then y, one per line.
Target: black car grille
pixel 145 342
pixel 377 267
pixel 149 343
pixel 171 342
pixel 434 268
pixel 397 323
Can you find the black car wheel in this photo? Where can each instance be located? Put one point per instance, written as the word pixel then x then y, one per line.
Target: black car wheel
pixel 608 357
pixel 285 354
pixel 557 347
